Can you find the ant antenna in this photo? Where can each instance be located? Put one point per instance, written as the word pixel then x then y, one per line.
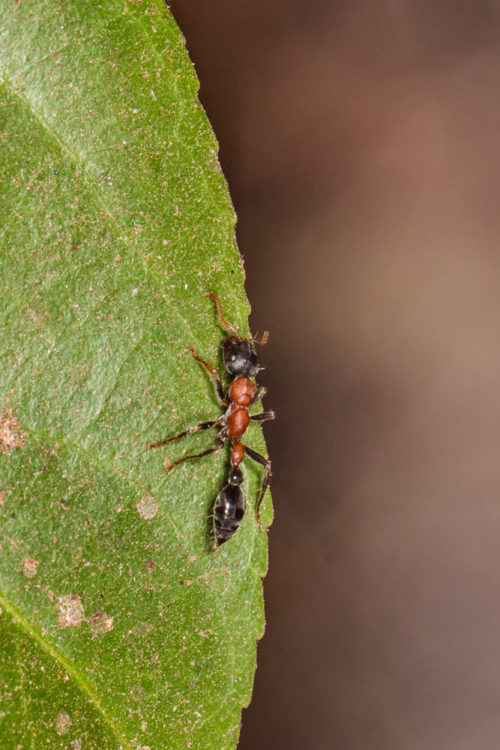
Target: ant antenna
pixel 256 340
pixel 262 340
pixel 224 322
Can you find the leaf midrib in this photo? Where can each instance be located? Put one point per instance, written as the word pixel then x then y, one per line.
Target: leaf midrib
pixel 69 668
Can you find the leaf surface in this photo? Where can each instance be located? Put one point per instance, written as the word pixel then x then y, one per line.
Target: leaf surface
pixel 121 626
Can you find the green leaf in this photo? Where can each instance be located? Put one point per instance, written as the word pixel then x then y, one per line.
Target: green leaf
pixel 121 625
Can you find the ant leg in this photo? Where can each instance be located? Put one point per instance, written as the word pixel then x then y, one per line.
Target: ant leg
pixel 261 392
pixel 266 463
pixel 218 445
pixel 189 431
pixel 224 322
pixel 214 374
pixel 263 416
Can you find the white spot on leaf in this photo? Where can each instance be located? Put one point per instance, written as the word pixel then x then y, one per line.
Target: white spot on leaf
pixel 147 507
pixel 30 567
pixel 70 611
pixel 11 435
pixel 63 723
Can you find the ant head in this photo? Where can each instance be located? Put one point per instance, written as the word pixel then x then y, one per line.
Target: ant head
pixel 240 357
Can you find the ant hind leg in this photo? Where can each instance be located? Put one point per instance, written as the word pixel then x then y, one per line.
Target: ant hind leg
pixel 217 447
pixel 266 463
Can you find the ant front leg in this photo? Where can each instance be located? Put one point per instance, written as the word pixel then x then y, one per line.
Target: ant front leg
pixel 266 463
pixel 213 374
pixel 261 392
pixel 264 416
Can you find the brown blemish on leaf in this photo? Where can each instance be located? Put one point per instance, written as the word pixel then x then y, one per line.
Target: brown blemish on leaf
pixel 63 723
pixel 14 543
pixel 100 623
pixel 147 507
pixel 70 611
pixel 11 435
pixel 30 567
pixel 60 505
pixel 151 565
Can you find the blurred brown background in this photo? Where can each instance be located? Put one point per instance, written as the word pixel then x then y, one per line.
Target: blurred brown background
pixel 361 143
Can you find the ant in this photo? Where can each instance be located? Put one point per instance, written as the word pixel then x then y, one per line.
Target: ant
pixel 240 360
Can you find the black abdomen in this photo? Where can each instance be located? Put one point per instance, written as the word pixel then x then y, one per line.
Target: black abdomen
pixel 228 511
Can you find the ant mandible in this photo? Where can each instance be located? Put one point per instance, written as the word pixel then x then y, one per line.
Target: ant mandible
pixel 240 360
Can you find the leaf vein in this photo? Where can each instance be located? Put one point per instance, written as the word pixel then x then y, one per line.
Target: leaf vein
pixel 57 656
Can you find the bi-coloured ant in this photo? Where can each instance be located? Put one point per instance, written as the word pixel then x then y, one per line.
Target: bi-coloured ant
pixel 240 359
